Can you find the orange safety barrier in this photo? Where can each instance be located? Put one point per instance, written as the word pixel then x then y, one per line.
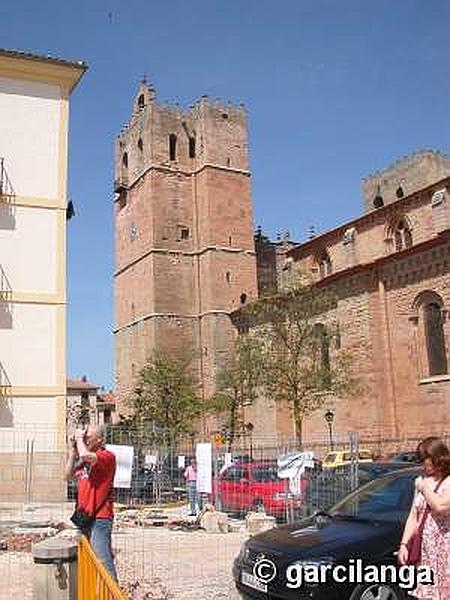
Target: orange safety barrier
pixel 94 581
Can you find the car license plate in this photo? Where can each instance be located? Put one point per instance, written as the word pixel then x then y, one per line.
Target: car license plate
pixel 250 580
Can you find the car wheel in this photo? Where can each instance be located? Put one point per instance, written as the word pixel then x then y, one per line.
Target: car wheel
pixel 375 591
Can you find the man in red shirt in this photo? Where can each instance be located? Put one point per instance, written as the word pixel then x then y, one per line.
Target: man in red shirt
pixel 94 468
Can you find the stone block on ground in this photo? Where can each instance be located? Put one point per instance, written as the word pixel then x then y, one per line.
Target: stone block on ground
pixel 256 522
pixel 214 522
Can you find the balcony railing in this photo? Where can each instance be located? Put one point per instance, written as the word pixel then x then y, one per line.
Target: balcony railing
pixel 5 301
pixel 5 286
pixel 6 188
pixel 5 383
pixel 7 199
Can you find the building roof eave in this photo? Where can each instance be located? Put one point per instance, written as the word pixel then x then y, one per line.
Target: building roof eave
pixel 26 65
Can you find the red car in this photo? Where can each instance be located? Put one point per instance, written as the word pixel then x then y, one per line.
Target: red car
pixel 249 486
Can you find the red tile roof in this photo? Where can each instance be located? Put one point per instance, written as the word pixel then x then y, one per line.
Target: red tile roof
pixel 81 384
pixel 106 398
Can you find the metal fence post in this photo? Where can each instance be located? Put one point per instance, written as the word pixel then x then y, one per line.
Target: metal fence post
pixel 354 457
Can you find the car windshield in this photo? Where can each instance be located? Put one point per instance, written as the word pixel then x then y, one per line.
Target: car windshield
pixel 330 457
pixel 363 455
pixel 265 474
pixel 385 499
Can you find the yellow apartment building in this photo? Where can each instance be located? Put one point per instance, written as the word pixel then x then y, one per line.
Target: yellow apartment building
pixel 34 113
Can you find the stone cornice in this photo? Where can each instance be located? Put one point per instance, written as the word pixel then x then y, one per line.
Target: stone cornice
pixel 170 252
pixel 177 170
pixel 171 316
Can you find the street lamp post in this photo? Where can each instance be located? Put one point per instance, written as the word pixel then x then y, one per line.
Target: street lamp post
pixel 249 429
pixel 329 417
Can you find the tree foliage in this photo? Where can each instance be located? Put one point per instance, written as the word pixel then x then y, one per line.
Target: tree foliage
pixel 237 382
pixel 165 397
pixel 303 362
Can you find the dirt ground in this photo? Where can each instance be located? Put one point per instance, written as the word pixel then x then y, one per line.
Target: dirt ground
pixel 16 572
pixel 190 565
pixel 175 565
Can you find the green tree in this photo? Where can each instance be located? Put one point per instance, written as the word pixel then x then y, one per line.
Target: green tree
pixel 166 399
pixel 303 362
pixel 237 382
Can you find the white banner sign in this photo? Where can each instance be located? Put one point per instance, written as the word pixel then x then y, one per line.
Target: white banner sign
pixel 292 466
pixel 150 459
pixel 181 461
pixel 204 468
pixel 228 461
pixel 124 464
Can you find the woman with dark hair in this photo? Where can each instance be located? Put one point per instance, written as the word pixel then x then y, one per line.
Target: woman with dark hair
pixel 426 537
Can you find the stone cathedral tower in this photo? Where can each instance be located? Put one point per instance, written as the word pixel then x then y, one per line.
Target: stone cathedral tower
pixel 185 255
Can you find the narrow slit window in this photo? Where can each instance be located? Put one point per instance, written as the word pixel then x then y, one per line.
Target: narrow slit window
pixel 172 146
pixel 140 145
pixel 323 349
pixel 125 160
pixel 192 147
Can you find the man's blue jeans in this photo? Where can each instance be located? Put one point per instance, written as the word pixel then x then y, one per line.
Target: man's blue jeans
pixel 100 538
pixel 192 496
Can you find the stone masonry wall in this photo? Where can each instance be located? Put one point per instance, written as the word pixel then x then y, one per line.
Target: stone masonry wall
pixel 376 317
pixel 184 234
pixel 371 237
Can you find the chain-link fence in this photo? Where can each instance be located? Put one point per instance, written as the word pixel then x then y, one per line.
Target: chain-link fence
pixel 157 543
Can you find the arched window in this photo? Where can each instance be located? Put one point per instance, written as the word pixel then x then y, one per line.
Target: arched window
pixel 141 101
pixel 323 346
pixel 402 235
pixel 325 265
pixel 430 320
pixel 378 201
pixel 125 160
pixel 435 339
pixel 140 145
pixel 399 192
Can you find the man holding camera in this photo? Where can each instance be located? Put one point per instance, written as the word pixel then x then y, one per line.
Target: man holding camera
pixel 94 468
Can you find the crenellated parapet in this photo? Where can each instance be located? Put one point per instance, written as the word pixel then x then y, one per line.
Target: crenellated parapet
pixel 404 177
pixel 167 135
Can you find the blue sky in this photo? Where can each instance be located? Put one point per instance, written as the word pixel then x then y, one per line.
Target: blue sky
pixel 334 90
